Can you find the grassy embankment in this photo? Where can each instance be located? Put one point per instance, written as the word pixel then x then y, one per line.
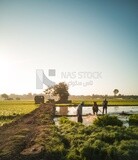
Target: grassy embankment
pixel 29 136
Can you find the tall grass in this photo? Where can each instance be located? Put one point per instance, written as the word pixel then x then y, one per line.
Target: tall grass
pixel 9 110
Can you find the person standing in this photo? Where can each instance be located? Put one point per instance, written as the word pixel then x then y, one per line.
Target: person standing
pixel 105 103
pixel 79 112
pixel 95 108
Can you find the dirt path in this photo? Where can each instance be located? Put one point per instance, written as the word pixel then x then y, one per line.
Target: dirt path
pixel 23 138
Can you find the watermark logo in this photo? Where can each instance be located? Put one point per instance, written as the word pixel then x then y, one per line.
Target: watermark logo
pixel 41 78
pixel 81 75
pixel 71 78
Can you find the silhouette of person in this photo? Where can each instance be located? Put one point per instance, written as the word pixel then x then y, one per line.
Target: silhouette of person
pixel 79 112
pixel 95 108
pixel 105 103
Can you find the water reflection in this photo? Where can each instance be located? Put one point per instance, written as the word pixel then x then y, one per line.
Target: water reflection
pixel 87 112
pixel 116 108
pixel 63 111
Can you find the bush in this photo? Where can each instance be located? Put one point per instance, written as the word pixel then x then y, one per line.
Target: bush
pixel 74 141
pixel 73 155
pixel 106 120
pixel 133 119
pixel 128 149
pixel 94 151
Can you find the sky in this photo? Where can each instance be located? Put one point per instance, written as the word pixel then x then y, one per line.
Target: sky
pixel 92 45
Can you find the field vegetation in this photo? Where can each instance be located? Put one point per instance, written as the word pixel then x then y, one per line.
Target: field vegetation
pixel 35 136
pixel 106 139
pixel 10 110
pixel 111 102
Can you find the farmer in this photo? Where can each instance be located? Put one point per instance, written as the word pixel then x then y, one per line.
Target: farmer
pixel 95 108
pixel 105 102
pixel 79 112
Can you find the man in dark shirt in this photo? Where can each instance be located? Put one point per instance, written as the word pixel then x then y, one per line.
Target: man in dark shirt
pixel 79 112
pixel 105 103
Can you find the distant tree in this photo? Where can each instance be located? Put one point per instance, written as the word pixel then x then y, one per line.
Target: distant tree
pixel 17 98
pixel 60 90
pixel 9 98
pixel 116 91
pixel 5 96
pixel 120 96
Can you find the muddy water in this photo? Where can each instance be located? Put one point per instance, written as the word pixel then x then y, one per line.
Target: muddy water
pixel 88 117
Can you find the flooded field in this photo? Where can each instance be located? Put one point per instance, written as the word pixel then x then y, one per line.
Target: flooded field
pixel 88 118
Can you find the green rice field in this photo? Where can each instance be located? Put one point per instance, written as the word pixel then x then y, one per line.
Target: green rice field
pixel 111 102
pixel 9 110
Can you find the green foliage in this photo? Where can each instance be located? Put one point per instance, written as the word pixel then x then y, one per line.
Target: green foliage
pixel 60 90
pixel 55 148
pixel 106 120
pixel 128 149
pixel 115 91
pixel 133 119
pixel 73 155
pixel 95 150
pixel 64 120
pixel 96 142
